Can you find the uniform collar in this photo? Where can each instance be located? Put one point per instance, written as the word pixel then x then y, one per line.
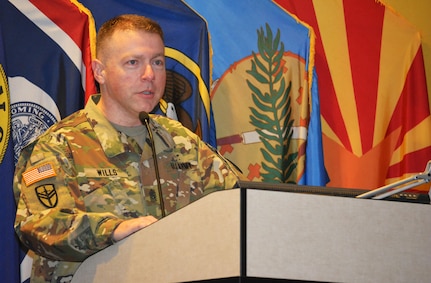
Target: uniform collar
pixel 108 136
pixel 112 142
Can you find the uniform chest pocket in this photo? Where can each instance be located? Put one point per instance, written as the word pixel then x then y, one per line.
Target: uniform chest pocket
pixel 110 190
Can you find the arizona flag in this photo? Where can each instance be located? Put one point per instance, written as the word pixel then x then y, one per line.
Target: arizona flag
pixel 187 57
pixel 265 99
pixel 48 52
pixel 374 100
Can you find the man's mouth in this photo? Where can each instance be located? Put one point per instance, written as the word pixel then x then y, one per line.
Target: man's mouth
pixel 147 92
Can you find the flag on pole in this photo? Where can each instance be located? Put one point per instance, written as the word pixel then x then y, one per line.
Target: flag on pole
pixel 266 104
pixel 187 57
pixel 48 47
pixel 374 99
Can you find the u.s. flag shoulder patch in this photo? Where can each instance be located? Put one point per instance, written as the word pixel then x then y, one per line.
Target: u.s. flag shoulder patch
pixel 36 174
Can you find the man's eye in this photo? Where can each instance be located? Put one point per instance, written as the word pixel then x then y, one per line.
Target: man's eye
pixel 133 62
pixel 159 63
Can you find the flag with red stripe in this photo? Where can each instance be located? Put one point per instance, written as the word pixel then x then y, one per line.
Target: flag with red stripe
pixel 78 25
pixel 48 47
pixel 374 99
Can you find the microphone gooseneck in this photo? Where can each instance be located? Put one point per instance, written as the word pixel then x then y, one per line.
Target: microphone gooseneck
pixel 145 118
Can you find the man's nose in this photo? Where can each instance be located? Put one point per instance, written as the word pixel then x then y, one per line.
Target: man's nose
pixel 148 73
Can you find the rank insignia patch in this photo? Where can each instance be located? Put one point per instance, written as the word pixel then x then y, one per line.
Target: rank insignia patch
pixel 39 173
pixel 47 195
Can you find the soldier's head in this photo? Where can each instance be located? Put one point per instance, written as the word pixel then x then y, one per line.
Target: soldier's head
pixel 129 67
pixel 126 22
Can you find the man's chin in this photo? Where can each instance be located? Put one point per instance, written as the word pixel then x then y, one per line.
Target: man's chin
pixel 147 107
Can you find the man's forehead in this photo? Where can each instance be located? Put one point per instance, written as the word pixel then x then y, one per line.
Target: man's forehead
pixel 133 39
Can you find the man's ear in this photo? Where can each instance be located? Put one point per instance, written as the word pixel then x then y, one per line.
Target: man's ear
pixel 98 71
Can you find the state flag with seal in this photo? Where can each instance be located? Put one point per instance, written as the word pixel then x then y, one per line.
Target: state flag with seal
pixel 186 96
pixel 48 49
pixel 264 93
pixel 9 244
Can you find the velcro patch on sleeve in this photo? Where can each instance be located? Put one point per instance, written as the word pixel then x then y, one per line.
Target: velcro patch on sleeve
pixel 39 173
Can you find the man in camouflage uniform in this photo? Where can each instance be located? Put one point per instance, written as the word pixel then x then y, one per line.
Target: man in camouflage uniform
pixel 90 180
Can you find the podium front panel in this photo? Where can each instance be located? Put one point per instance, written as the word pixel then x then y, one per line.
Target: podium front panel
pixel 255 233
pixel 198 242
pixel 336 239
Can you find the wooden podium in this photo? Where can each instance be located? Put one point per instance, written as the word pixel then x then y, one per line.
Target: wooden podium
pixel 238 234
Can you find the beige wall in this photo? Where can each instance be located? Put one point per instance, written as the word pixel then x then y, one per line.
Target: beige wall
pixel 418 12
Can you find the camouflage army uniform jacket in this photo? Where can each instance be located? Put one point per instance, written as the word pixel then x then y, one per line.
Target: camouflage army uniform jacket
pixel 77 182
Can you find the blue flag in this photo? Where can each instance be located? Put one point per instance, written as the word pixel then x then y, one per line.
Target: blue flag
pixel 187 57
pixel 47 47
pixel 265 99
pixel 46 58
pixel 9 244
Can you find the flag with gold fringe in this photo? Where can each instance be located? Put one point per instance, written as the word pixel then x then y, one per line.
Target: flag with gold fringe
pixel 186 96
pixel 48 48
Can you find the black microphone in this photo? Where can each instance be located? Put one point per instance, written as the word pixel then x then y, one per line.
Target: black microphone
pixel 145 118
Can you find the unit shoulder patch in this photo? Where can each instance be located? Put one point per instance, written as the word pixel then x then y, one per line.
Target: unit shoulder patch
pixel 47 195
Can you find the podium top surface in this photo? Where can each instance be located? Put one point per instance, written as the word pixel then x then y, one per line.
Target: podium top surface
pixel 412 197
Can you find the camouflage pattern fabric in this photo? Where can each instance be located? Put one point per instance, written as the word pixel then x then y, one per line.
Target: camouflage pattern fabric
pixel 78 181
